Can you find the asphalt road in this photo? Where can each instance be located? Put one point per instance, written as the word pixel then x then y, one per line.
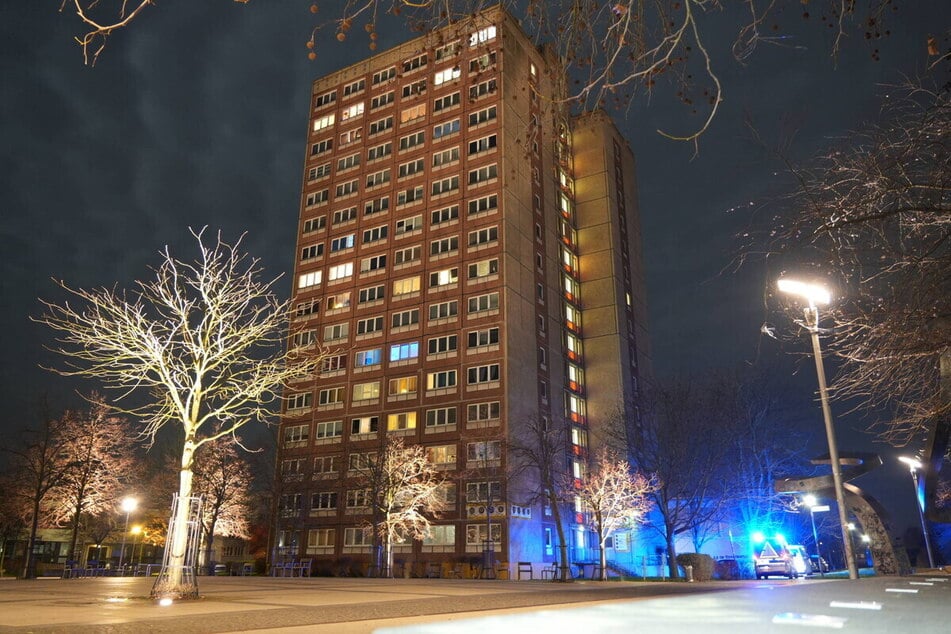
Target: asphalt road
pixel 350 606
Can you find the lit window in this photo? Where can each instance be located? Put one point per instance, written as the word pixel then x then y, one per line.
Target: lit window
pixel 366 391
pixel 351 111
pixel 447 74
pixel 366 358
pixel 307 280
pixel 338 301
pixel 483 35
pixel 402 386
pixel 444 277
pixel 413 113
pixel 406 286
pixel 323 122
pixel 441 380
pixel 400 421
pixel 364 425
pixel 404 351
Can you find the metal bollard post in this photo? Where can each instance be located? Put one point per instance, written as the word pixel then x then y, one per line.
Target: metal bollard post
pixel 688 570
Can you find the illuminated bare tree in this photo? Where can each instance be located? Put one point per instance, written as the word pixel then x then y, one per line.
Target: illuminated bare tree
pixel 403 490
pixel 874 216
pixel 615 497
pixel 102 452
pixel 223 479
pixel 609 50
pixel 202 342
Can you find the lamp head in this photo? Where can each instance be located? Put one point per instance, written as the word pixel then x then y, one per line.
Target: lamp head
pixel 129 504
pixel 913 463
pixel 809 500
pixel 814 293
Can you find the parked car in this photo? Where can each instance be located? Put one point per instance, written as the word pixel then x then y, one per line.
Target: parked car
pixel 775 565
pixel 818 564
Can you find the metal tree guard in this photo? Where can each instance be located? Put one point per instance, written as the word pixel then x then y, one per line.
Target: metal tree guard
pixel 167 583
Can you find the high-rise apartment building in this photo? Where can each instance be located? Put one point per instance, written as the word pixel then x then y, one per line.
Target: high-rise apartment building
pixel 470 255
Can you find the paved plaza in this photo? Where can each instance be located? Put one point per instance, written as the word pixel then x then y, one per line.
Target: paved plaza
pixel 408 606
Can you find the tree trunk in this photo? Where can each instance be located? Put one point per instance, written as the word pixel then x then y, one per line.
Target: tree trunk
pixel 672 555
pixel 603 558
pixel 29 568
pixel 564 568
pixel 173 583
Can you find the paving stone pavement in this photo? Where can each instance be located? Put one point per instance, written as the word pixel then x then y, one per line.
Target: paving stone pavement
pixel 262 604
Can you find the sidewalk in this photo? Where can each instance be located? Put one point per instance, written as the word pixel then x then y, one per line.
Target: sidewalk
pixel 235 604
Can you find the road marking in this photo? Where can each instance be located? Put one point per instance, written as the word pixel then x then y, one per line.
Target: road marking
pixel 920 583
pixel 937 579
pixel 810 620
pixel 856 605
pixel 908 590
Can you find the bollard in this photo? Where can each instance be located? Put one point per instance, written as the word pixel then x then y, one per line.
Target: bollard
pixel 688 571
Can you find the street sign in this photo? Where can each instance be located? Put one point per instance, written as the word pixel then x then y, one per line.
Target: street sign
pixel 820 509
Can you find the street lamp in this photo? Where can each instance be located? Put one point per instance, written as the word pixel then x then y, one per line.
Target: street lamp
pixel 814 294
pixel 914 465
pixel 811 501
pixel 129 504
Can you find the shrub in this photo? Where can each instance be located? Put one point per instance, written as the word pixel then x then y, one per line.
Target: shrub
pixel 702 565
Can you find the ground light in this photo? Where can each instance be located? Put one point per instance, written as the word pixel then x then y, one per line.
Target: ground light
pixel 815 294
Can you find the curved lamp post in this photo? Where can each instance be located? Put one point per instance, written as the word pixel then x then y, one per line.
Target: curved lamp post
pixel 129 504
pixel 815 294
pixel 914 465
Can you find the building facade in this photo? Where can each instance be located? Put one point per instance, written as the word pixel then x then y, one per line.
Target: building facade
pixel 470 257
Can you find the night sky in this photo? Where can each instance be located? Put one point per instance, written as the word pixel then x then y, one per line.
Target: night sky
pixel 197 115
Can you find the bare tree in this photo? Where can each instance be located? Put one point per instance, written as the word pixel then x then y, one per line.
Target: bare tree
pixel 38 467
pixel 873 216
pixel 609 50
pixel 223 479
pixel 615 497
pixel 102 452
pixel 203 340
pixel 403 491
pixel 680 439
pixel 540 455
pixel 765 446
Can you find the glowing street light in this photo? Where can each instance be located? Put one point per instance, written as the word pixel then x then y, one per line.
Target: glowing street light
pixel 815 294
pixel 914 466
pixel 129 504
